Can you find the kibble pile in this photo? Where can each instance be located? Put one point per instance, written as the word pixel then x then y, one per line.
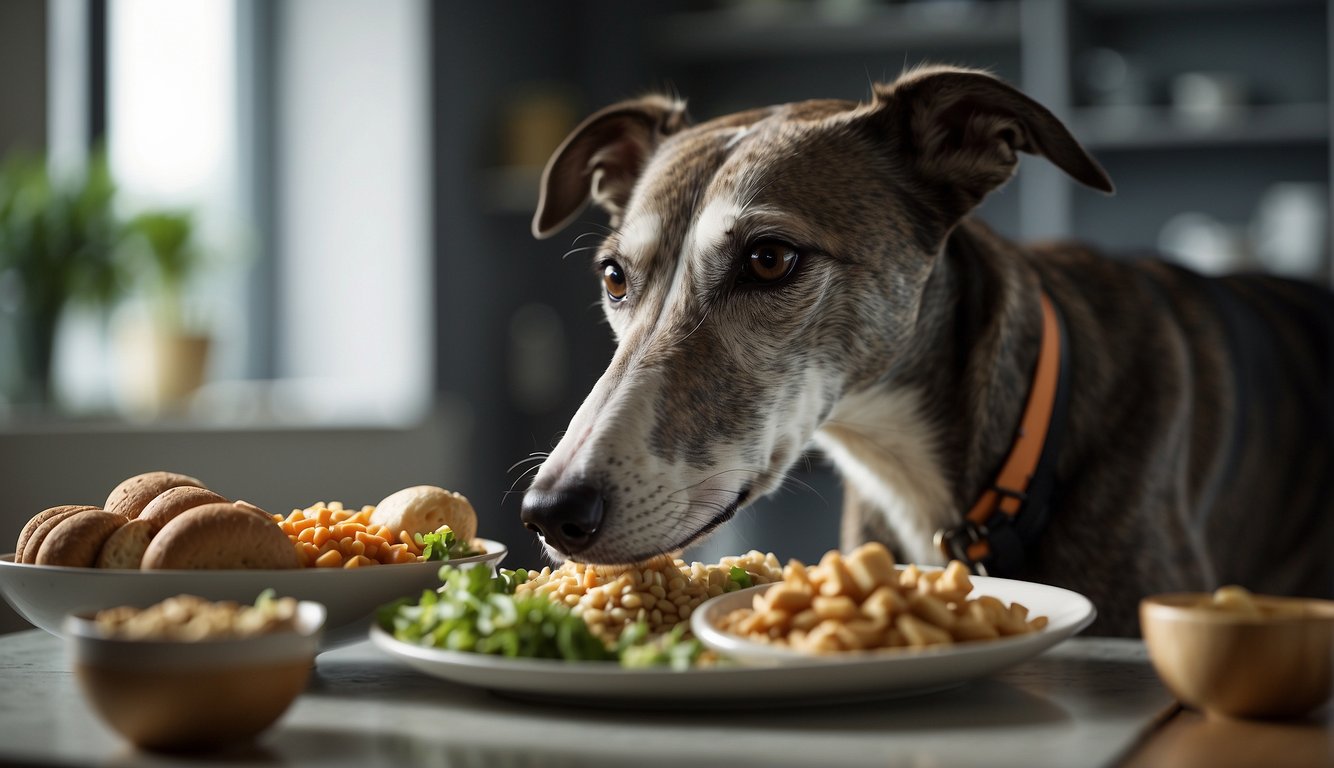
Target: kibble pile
pixel 662 592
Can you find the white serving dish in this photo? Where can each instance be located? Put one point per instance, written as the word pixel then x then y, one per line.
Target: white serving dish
pixel 795 682
pixel 1067 613
pixel 45 594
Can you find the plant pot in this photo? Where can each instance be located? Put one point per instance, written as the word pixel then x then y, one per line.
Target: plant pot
pixel 28 375
pixel 157 369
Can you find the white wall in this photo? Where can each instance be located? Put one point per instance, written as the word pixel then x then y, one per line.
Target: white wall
pixel 353 197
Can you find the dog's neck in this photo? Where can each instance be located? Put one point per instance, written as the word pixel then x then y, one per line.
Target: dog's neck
pixel 924 440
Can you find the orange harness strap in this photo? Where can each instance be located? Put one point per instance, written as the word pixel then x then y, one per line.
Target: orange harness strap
pixel 1010 488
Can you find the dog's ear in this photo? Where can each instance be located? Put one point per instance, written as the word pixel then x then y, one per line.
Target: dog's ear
pixel 962 129
pixel 603 158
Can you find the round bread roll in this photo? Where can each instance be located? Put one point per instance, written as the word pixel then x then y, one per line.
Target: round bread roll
pixel 78 539
pixel 34 543
pixel 423 509
pixel 130 497
pixel 167 505
pixel 219 536
pixel 37 520
pixel 126 546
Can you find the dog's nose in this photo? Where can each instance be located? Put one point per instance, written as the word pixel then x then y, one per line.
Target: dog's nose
pixel 567 519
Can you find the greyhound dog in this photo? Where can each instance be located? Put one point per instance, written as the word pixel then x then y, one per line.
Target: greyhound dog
pixel 808 274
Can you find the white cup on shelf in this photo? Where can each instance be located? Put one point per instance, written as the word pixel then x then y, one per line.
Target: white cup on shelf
pixel 1290 231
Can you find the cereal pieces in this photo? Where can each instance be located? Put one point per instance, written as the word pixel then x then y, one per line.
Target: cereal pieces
pixel 329 536
pixel 661 593
pixel 192 619
pixel 862 602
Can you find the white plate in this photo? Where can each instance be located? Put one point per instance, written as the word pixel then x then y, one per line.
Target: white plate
pixel 897 673
pixel 45 594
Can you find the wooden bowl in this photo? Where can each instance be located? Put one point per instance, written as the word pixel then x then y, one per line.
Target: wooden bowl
pixel 1279 664
pixel 184 696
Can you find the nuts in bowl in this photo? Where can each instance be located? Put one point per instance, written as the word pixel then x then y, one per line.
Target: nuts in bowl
pixel 858 603
pixel 187 673
pixel 1241 655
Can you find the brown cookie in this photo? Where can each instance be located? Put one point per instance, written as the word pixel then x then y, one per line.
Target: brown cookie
pixel 219 536
pixel 125 547
pixel 39 534
pixel 130 497
pixel 247 506
pixel 37 520
pixel 78 539
pixel 173 501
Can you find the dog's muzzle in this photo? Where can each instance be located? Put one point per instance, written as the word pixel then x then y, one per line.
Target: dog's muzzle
pixel 566 519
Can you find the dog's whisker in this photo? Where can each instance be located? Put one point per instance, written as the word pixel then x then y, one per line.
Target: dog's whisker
pixel 712 477
pixel 523 461
pixel 527 472
pixel 577 238
pixel 573 251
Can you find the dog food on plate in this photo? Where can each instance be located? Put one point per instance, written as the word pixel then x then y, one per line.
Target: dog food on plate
pixel 862 602
pixel 662 592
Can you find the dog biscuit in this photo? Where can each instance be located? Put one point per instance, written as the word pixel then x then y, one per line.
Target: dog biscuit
pixel 131 496
pixel 125 547
pixel 36 521
pixel 78 539
pixel 247 506
pixel 219 536
pixel 172 502
pixel 39 534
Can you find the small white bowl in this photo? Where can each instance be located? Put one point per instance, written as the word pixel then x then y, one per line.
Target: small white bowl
pixel 1067 613
pixel 178 695
pixel 46 594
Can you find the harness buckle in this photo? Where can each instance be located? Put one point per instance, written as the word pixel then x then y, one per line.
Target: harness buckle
pixel 953 543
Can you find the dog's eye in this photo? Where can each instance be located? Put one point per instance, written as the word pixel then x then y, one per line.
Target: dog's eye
pixel 770 261
pixel 614 280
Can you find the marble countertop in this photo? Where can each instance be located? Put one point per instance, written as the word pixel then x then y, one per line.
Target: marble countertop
pixel 1085 702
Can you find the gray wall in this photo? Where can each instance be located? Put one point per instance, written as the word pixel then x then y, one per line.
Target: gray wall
pixel 22 74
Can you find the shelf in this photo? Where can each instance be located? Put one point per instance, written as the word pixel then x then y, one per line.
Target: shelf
pixel 1147 128
pixel 1108 7
pixel 729 33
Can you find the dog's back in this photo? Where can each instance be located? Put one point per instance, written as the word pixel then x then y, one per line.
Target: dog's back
pixel 1280 339
pixel 1224 390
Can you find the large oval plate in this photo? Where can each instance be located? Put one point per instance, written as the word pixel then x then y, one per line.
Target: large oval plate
pixel 796 682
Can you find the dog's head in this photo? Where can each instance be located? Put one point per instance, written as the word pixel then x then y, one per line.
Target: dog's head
pixel 759 267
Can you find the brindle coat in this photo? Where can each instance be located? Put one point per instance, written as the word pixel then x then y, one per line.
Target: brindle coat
pixel 1198 441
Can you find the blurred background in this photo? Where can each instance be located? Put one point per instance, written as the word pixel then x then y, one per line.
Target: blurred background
pixel 284 246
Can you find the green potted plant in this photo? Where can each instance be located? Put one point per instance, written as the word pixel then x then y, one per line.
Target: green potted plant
pixel 57 244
